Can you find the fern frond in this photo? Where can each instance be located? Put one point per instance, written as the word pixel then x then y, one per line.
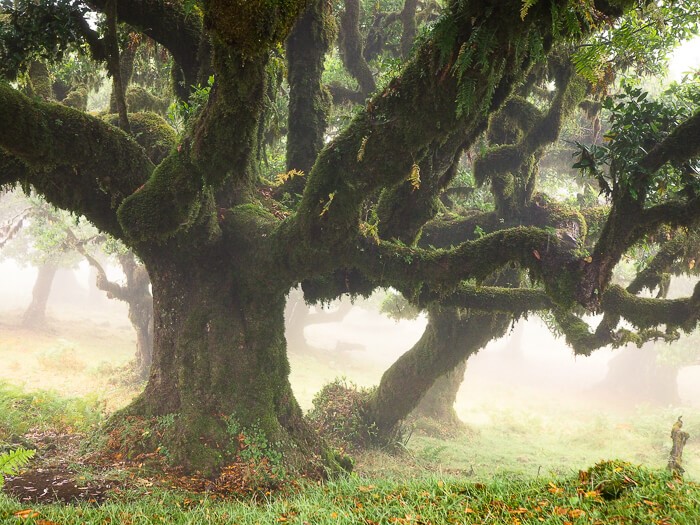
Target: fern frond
pixel 527 4
pixel 11 462
pixel 284 177
pixel 361 151
pixel 414 177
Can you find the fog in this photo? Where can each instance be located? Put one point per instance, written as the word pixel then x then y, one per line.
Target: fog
pixel 526 380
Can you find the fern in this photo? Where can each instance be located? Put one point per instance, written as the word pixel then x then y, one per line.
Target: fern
pixel 414 177
pixel 11 462
pixel 527 4
pixel 284 177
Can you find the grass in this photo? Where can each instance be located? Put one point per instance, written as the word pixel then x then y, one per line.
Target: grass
pixel 654 498
pixel 44 410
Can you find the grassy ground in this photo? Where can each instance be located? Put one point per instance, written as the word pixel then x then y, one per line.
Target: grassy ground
pixel 648 497
pixel 516 462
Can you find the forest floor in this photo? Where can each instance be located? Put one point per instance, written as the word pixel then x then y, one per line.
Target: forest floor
pixel 519 459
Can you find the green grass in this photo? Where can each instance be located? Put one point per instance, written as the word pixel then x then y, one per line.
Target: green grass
pixel 655 498
pixel 43 410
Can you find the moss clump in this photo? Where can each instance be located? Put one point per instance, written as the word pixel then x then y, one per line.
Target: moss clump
pixel 253 26
pixel 151 131
pixel 169 201
pixel 77 98
pixel 139 99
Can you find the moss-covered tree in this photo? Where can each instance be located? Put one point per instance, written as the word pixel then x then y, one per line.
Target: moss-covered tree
pixel 222 253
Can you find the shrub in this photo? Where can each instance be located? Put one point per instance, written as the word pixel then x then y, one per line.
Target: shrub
pixel 338 414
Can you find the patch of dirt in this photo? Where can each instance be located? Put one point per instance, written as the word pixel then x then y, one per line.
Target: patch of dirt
pixel 50 477
pixel 51 485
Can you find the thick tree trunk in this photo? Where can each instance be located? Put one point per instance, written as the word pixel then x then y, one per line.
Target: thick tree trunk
pixel 220 363
pixel 35 314
pixel 449 339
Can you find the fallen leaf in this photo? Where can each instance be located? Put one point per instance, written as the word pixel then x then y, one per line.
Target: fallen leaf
pixel 26 514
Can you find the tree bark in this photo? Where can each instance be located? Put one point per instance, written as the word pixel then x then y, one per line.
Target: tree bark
pixel 35 314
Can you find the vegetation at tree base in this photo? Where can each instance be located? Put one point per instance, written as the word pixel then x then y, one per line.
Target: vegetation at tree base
pixel 223 244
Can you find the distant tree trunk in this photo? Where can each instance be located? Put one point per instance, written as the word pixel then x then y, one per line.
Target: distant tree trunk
pixel 309 102
pixel 35 314
pixel 636 376
pixel 438 402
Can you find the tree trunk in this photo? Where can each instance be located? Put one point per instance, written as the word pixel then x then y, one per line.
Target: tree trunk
pixel 220 363
pixel 635 376
pixel 35 314
pixel 448 340
pixel 438 402
pixel 309 102
pixel 141 317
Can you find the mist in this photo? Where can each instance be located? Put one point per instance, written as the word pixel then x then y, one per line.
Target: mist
pixel 527 404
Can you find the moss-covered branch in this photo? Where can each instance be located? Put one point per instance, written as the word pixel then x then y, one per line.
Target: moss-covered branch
pixel 627 224
pixel 76 161
pixel 433 98
pixel 452 230
pixel 513 301
pixel 657 269
pixel 681 144
pixel 441 271
pixel 645 312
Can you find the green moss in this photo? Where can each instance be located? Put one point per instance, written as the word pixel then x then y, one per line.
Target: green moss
pixel 169 201
pixel 76 98
pixel 151 131
pixel 139 99
pixel 253 26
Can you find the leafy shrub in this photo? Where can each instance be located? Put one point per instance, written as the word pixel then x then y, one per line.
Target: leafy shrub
pixel 338 414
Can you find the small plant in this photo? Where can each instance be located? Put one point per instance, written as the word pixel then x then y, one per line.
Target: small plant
pixel 11 462
pixel 611 478
pixel 258 464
